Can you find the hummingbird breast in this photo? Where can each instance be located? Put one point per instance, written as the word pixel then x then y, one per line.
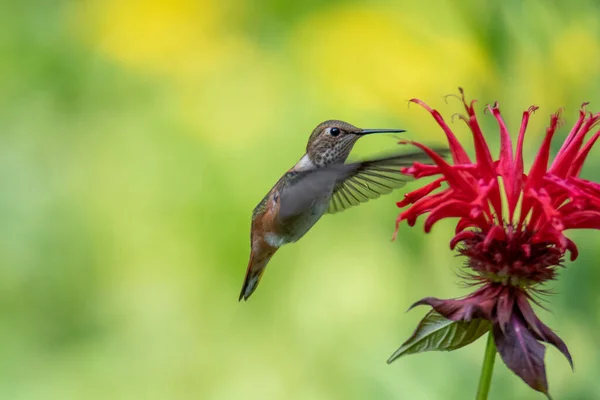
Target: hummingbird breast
pixel 277 229
pixel 293 228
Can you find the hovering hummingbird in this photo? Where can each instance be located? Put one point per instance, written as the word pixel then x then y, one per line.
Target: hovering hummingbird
pixel 319 183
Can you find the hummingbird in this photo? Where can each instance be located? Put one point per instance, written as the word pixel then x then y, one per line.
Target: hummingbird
pixel 319 183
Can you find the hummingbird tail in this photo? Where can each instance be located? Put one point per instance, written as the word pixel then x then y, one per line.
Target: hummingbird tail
pixel 256 268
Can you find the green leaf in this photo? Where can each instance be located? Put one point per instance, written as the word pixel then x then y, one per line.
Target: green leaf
pixel 435 332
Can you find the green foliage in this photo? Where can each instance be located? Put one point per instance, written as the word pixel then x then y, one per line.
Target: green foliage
pixel 436 333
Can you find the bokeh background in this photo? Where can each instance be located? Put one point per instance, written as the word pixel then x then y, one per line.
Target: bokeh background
pixel 137 136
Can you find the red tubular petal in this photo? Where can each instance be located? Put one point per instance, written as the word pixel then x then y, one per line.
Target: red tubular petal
pixel 449 209
pixel 496 232
pixel 487 191
pixel 551 214
pixel 460 237
pixel 482 151
pixel 526 205
pixel 563 189
pixel 575 168
pixel 517 183
pixel 537 216
pixel 563 161
pixel 487 172
pixel 506 166
pixel 519 155
pixel 577 204
pixel 424 205
pixel 464 223
pixel 537 172
pixel 485 163
pixel 582 220
pixel 418 194
pixel 459 155
pixel 419 170
pixel 454 178
pixel 573 132
pixel 592 188
pixel 551 236
pixel 421 206
pixel 572 249
pixel 506 156
pixel 540 164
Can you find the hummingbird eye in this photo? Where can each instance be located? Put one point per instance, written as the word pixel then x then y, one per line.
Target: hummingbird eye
pixel 334 131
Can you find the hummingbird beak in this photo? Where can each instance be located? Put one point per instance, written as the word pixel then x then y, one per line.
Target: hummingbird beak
pixel 370 131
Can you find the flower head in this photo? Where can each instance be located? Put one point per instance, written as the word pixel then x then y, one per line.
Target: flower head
pixel 510 227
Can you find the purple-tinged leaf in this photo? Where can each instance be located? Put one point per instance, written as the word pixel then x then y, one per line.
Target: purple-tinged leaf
pixel 479 304
pixel 528 314
pixel 522 353
pixel 548 336
pixel 456 309
pixel 504 307
pixel 541 331
pixel 552 338
pixel 437 333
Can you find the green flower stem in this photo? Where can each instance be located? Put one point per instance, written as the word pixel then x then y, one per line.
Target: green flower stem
pixel 485 380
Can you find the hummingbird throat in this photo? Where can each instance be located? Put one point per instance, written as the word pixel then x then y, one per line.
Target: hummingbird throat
pixel 331 153
pixel 304 164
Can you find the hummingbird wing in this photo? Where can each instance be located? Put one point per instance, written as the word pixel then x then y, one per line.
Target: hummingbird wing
pixel 347 184
pixel 366 180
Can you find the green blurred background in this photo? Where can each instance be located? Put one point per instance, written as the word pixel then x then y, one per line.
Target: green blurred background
pixel 137 136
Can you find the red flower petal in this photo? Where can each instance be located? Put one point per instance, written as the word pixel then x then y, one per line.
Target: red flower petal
pixel 519 153
pixel 413 196
pixel 575 168
pixel 582 220
pixel 454 178
pixel 465 223
pixel 537 171
pixel 507 168
pixel 459 156
pixel 452 208
pixel 419 170
pixel 461 237
pixel 423 205
pixel 573 132
pixel 482 152
pixel 495 233
pixel 564 159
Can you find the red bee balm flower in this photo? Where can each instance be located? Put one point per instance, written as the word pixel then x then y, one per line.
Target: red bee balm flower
pixel 511 229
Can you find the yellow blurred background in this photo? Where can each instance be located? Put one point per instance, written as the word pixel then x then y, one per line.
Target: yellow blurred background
pixel 137 137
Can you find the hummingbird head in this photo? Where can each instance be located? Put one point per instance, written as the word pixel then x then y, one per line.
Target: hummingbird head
pixel 331 141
